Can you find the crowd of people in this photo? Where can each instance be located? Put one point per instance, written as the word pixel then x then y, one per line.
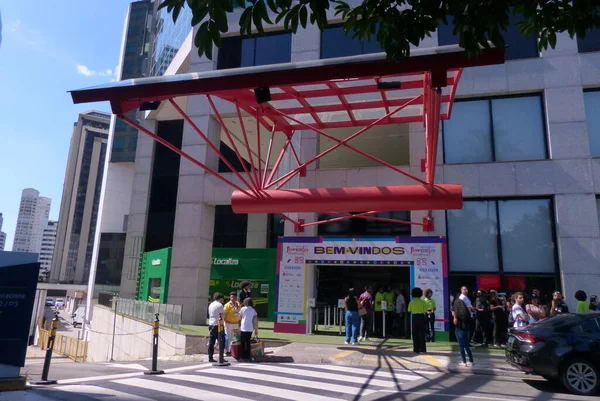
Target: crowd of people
pixel 487 316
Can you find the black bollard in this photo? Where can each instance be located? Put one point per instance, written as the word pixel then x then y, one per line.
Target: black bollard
pixel 155 370
pixel 48 357
pixel 222 361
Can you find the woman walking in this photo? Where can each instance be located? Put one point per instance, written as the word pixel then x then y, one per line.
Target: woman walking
pixel 418 308
pixel 430 304
pixel 463 325
pixel 352 318
pixel 248 324
pixel 366 303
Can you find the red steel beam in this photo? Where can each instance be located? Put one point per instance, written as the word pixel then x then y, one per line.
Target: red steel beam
pixel 264 177
pixel 247 143
pixel 320 200
pixel 289 175
pixel 208 142
pixel 175 149
pixel 235 149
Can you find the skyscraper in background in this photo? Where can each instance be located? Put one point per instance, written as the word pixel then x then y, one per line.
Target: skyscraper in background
pixel 31 222
pixel 2 234
pixel 80 199
pixel 47 250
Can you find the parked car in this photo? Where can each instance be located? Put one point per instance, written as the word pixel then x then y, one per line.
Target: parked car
pixel 59 303
pixel 565 347
pixel 49 301
pixel 78 316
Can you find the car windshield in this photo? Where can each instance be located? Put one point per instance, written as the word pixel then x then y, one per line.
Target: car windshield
pixel 557 323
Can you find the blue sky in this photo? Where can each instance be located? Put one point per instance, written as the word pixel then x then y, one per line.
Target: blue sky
pixel 48 48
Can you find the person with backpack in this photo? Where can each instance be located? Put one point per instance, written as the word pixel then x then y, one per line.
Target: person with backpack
pixel 463 325
pixel 365 303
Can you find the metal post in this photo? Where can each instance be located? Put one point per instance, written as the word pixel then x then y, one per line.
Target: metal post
pixel 335 315
pixel 340 317
pixel 112 349
pixel 48 357
pixel 155 370
pixel 222 361
pixel 383 317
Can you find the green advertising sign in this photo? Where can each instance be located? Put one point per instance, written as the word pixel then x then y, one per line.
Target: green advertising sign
pixel 153 283
pixel 231 266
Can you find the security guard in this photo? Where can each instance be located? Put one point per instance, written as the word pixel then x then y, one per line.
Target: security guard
pixel 388 296
pixel 418 308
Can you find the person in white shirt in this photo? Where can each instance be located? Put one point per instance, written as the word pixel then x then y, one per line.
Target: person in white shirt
pixel 464 296
pixel 215 311
pixel 248 324
pixel 519 315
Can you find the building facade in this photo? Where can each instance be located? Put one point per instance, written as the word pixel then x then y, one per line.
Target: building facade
pixel 31 221
pixel 47 249
pixel 80 199
pixel 523 140
pixel 2 234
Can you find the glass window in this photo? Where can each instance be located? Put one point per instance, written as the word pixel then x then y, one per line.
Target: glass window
pixel 335 43
pixel 518 128
pixel 526 238
pixel 472 237
pixel 467 135
pixel 517 45
pixel 598 208
pixel 231 229
pixel 238 51
pixel 591 43
pixel 526 235
pixel 589 326
pixel 497 129
pixel 359 227
pixel 592 118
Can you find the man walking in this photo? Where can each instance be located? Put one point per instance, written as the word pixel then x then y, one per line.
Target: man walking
pixel 245 291
pixel 215 311
pixel 232 318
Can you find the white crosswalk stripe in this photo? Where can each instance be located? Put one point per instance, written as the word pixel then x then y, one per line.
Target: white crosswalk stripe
pixel 254 382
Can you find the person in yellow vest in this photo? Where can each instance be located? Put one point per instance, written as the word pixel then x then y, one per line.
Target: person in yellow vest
pixel 388 296
pixel 430 303
pixel 418 309
pixel 232 318
pixel 378 312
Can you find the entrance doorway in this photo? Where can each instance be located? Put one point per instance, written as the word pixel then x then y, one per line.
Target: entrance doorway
pixel 333 281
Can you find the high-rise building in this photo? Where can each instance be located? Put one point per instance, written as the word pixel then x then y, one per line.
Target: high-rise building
pixel 133 63
pixel 80 199
pixel 47 250
pixel 2 234
pixel 31 222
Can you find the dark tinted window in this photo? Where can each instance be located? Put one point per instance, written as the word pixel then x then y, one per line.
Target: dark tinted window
pixel 231 229
pixel 335 43
pixel 163 188
pixel 238 51
pixel 232 158
pixel 559 322
pixel 517 45
pixel 276 229
pixel 591 43
pixel 590 326
pixel 366 227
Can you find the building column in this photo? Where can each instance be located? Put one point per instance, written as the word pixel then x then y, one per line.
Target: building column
pixel 194 220
pixel 138 211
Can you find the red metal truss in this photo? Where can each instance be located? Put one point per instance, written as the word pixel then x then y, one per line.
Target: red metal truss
pixel 361 92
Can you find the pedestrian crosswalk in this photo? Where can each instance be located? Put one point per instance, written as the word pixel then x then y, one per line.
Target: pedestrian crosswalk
pixel 259 382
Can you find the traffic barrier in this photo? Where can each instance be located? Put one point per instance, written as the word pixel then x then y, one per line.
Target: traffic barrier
pixel 155 327
pixel 48 358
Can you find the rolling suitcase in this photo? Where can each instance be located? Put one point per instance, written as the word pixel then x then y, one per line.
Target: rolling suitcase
pixel 236 349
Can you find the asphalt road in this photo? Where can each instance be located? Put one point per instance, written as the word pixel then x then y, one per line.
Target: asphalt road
pixel 270 382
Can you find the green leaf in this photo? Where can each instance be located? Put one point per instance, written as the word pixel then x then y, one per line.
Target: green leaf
pixel 264 13
pixel 272 5
pixel 552 39
pixel 303 16
pixel 199 14
pixel 246 21
pixel 257 18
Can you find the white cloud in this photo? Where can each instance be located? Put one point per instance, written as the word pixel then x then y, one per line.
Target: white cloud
pixel 84 70
pixel 14 25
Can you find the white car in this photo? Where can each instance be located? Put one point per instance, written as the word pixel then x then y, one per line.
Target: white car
pixel 59 303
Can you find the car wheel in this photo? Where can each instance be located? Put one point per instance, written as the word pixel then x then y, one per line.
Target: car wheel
pixel 581 377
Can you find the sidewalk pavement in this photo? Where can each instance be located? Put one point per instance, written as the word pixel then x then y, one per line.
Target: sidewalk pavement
pixel 487 361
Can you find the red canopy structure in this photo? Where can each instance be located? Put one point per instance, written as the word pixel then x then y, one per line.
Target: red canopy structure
pixel 359 91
